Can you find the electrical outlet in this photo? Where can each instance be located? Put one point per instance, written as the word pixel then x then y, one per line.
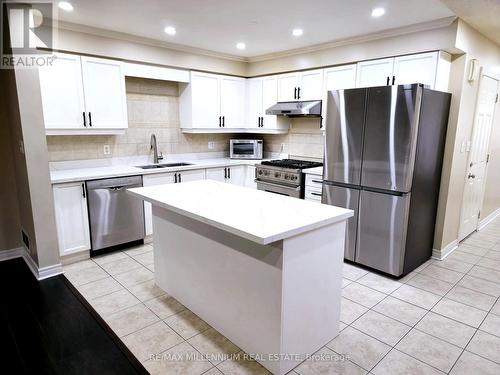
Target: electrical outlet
pixel 211 145
pixel 107 150
pixel 21 147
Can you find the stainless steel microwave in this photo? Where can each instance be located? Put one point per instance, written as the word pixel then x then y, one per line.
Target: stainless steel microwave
pixel 246 148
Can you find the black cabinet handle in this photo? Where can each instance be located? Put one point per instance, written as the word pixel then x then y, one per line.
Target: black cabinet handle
pixel 220 123
pixel 84 120
pixel 229 173
pixel 298 93
pixel 223 121
pixel 225 172
pixel 180 177
pixel 295 93
pixel 262 122
pixel 90 119
pixel 387 80
pixel 175 178
pixel 83 191
pixel 393 80
pixel 317 194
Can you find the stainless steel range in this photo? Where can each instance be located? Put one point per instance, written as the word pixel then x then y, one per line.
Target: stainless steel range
pixel 283 177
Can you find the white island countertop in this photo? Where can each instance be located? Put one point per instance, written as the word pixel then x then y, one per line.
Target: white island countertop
pixel 256 215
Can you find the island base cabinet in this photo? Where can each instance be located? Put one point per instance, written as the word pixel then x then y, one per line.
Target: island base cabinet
pixel 280 301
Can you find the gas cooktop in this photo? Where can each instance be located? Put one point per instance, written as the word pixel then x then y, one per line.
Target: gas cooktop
pixel 292 163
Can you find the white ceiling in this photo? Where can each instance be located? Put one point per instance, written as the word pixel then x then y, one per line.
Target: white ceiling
pixel 264 25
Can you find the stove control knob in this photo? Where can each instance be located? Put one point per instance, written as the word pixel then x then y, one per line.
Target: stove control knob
pixel 287 177
pixel 260 171
pixel 266 173
pixel 276 174
pixel 293 177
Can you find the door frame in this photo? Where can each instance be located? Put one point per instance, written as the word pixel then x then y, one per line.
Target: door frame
pixel 482 73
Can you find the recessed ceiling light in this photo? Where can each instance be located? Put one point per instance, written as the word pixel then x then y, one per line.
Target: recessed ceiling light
pixel 378 12
pixel 64 5
pixel 170 30
pixel 241 45
pixel 297 32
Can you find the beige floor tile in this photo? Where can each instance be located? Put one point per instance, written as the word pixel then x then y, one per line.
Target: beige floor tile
pixel 120 266
pixel 464 257
pixel 380 283
pixel 381 327
pixel 350 311
pixel 181 359
pixel 107 258
pixel 471 297
pixel 187 324
pixel 131 319
pixel 443 274
pixel 145 258
pixel 86 275
pixel 491 324
pixel 485 345
pixel 88 263
pixel 446 329
pixel 241 364
pixel 146 290
pixel 430 284
pixel 490 263
pixel 460 312
pixel 214 346
pixel 416 296
pixel 99 288
pixel 486 274
pixel 362 295
pixel 164 306
pixel 151 267
pixel 480 285
pixel 495 255
pixel 113 302
pixel 469 363
pixel 135 276
pixel 215 371
pixel 152 340
pixel 400 310
pixel 496 308
pixel 329 363
pixel 424 265
pixel 398 363
pixel 429 349
pixel 472 250
pixel 454 265
pixel 485 244
pixel 345 282
pixel 138 250
pixel 352 272
pixel 408 277
pixel 361 349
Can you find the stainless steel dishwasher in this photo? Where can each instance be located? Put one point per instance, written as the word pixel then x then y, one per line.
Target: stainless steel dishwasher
pixel 115 217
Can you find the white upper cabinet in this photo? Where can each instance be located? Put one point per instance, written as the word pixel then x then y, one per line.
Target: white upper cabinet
pixel 262 93
pixel 232 102
pixel 287 87
pixel 205 101
pixel 374 73
pixel 307 85
pixel 63 111
pixel 254 103
pixel 419 68
pixel 105 98
pixel 340 77
pixel 269 98
pixel 83 95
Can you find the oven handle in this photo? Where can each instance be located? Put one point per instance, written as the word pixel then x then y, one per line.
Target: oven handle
pixel 294 188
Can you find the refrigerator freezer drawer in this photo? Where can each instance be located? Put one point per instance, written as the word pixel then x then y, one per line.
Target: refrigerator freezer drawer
pixel 383 220
pixel 346 198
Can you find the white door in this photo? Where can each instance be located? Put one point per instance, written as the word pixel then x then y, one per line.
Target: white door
pixel 478 156
pixel 254 96
pixel 311 85
pixel 217 174
pixel 194 175
pixel 374 72
pixel 232 102
pixel 236 175
pixel 269 98
pixel 287 87
pixel 205 100
pixel 420 68
pixel 105 97
pixel 72 219
pixel 62 93
pixel 153 180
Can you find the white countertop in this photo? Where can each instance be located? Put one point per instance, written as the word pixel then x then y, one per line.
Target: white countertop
pixel 93 173
pixel 256 215
pixel 316 171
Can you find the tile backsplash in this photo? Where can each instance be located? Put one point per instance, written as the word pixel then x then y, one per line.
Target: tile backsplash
pixel 153 107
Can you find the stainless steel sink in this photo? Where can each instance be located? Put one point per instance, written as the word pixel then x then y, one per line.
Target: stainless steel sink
pixel 166 165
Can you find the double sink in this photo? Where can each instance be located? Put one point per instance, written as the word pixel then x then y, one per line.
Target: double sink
pixel 166 165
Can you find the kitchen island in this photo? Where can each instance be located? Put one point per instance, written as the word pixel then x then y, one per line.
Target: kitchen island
pixel 263 269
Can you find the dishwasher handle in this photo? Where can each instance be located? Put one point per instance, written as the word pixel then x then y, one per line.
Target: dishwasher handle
pixel 116 188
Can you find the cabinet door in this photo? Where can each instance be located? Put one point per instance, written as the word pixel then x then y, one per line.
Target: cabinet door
pixel 419 68
pixel 72 218
pixel 269 98
pixel 236 175
pixel 254 100
pixel 217 174
pixel 105 98
pixel 195 175
pixel 152 180
pixel 62 93
pixel 340 77
pixel 205 100
pixel 311 85
pixel 374 72
pixel 250 177
pixel 232 101
pixel 287 85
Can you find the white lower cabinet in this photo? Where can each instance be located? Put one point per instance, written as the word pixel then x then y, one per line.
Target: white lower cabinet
pixel 72 220
pixel 250 177
pixel 233 175
pixel 313 187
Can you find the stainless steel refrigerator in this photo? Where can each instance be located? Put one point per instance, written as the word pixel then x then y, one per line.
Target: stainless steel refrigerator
pixel 383 157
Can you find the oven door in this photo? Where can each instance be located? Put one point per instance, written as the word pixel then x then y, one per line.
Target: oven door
pixel 289 190
pixel 245 149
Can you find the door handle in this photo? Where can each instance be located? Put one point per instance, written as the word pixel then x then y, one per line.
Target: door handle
pixel 90 119
pixel 262 122
pixel 471 175
pixel 84 119
pixel 317 194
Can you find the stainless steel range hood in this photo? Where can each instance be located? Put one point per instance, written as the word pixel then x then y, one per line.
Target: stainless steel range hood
pixel 311 108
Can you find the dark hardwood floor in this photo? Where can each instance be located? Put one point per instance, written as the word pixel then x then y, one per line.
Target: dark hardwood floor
pixel 47 328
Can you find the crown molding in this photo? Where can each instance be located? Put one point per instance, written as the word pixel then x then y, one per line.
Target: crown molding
pixel 424 26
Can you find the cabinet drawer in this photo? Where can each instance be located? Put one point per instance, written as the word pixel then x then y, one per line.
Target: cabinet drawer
pixel 314 180
pixel 312 194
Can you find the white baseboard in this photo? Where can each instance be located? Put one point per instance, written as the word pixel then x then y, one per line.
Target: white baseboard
pixel 44 272
pixel 444 252
pixel 11 254
pixel 488 219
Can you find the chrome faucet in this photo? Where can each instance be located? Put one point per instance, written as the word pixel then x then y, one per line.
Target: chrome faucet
pixel 154 147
